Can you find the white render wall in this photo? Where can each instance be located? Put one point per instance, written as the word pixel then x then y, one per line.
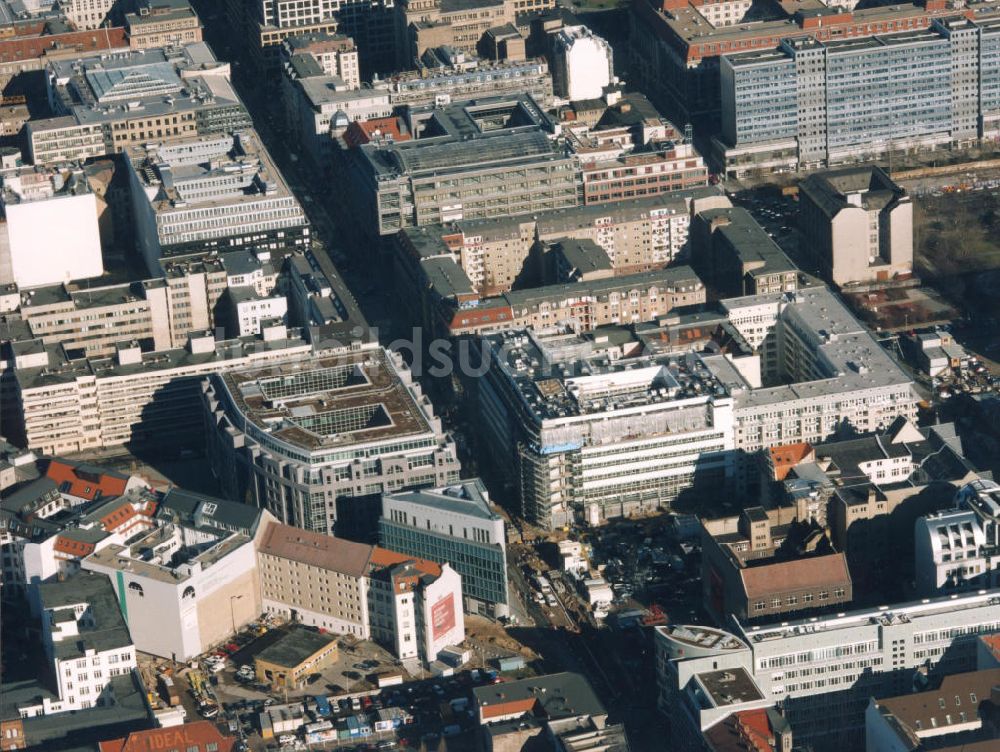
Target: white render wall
pixel 584 62
pixel 53 240
pixel 436 595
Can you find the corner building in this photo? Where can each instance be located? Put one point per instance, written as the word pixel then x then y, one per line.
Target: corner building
pixel 297 437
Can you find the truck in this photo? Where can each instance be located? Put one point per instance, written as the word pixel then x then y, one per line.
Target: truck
pixel 168 690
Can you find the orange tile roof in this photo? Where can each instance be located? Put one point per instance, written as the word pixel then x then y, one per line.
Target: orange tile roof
pixel 72 547
pixel 14 50
pixel 361 131
pixel 383 557
pixel 746 731
pixel 787 456
pixel 198 734
pixel 992 643
pixel 84 484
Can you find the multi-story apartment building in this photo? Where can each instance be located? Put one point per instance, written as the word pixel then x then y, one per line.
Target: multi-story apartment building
pixel 335 54
pixel 859 224
pixel 32 45
pixel 94 320
pixel 492 157
pixel 676 45
pixel 191 581
pixel 67 404
pixel 733 253
pixel 86 15
pixel 459 77
pixel 320 105
pixel 456 524
pixel 318 578
pixel 425 24
pixel 819 367
pixel 415 605
pixel 197 196
pixel 162 23
pixel 765 563
pixel 86 642
pixel 823 671
pixel 304 438
pixel 180 91
pixel 266 24
pixel 810 102
pixel 638 235
pixel 958 549
pixel 48 232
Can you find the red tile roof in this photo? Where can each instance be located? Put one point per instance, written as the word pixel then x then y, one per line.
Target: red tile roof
pixel 361 131
pixel 198 734
pixel 85 484
pixel 72 547
pixel 15 50
pixel 383 557
pixel 787 456
pixel 746 731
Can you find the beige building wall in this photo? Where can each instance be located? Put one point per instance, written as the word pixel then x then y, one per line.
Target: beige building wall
pixel 319 597
pixel 237 602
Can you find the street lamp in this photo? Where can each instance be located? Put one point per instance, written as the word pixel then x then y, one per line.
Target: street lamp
pixel 232 609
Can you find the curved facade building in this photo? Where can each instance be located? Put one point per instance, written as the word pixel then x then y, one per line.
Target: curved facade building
pixel 301 437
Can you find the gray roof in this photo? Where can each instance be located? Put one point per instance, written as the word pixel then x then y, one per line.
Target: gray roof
pixel 828 190
pixel 557 696
pixel 468 497
pixel 27 495
pixel 109 632
pixel 294 647
pixel 83 729
pixel 678 275
pixel 197 509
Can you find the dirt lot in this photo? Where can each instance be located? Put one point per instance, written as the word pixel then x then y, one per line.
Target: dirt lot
pixel 955 233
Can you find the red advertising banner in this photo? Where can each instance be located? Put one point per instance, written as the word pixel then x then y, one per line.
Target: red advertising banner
pixel 443 616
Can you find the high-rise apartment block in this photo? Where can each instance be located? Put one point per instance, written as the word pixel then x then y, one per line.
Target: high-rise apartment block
pixel 301 435
pixel 859 224
pixel 819 101
pixel 677 45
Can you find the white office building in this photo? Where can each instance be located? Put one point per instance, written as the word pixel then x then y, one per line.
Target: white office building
pixel 960 548
pixel 191 582
pixel 86 640
pixel 824 670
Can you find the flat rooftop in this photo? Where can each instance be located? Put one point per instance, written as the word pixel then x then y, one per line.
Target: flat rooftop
pixel 560 376
pixel 467 497
pixel 333 401
pixel 886 615
pixel 732 686
pixel 140 556
pixel 294 647
pixel 847 353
